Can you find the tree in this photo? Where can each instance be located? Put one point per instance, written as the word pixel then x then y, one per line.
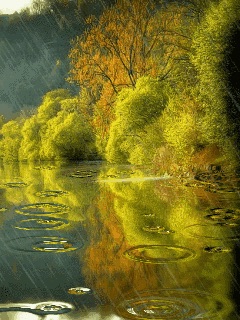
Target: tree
pixel 38 6
pixel 58 130
pixel 129 40
pixel 11 139
pixel 220 124
pixel 181 121
pixel 121 46
pixel 31 141
pixel 136 110
pixel 68 135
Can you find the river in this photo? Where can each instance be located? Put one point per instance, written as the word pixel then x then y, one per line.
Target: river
pixel 90 240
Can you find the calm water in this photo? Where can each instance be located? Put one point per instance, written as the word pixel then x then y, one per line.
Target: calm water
pixel 91 241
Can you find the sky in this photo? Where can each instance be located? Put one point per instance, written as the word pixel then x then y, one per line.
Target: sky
pixel 10 6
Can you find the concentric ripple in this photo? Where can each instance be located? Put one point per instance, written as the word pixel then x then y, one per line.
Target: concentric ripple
pixel 79 291
pixel 223 215
pixel 42 208
pixel 173 304
pixel 15 184
pixel 212 231
pixel 45 244
pixel 50 193
pixel 53 307
pixel 158 254
pixel 82 174
pixel 158 229
pixel 41 309
pixel 41 224
pixel 217 249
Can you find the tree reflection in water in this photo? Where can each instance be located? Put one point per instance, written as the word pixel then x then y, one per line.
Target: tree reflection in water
pixel 150 249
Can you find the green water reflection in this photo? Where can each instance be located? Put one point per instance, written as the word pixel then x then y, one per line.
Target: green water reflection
pixel 153 249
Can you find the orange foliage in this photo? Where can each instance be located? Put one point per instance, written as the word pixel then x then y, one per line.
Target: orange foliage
pixel 106 269
pixel 131 39
pixel 209 155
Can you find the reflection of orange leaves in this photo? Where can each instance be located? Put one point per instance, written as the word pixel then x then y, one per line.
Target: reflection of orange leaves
pixel 107 270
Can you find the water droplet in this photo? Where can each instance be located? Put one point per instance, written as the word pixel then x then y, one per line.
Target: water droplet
pixel 158 254
pixel 45 244
pixel 15 184
pixel 42 208
pixel 150 214
pixel 50 193
pixel 211 231
pixel 79 291
pixel 158 229
pixel 174 304
pixel 52 307
pixel 40 224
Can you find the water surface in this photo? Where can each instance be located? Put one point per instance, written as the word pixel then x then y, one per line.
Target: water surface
pixel 94 241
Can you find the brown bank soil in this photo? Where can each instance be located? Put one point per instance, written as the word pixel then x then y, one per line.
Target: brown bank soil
pixel 209 169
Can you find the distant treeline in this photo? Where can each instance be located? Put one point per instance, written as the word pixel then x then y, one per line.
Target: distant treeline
pixel 34 46
pixel 157 84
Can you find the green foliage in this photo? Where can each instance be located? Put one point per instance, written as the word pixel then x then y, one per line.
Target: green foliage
pixel 31 141
pixel 136 110
pixel 34 129
pixel 59 130
pixel 181 121
pixel 68 135
pixel 11 140
pixel 51 104
pixel 182 110
pixel 210 46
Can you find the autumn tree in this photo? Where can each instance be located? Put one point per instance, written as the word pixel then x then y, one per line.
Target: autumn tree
pixel 129 40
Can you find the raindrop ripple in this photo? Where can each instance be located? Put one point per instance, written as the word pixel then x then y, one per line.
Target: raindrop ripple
pixel 159 254
pixel 15 184
pixel 157 229
pixel 42 208
pixel 45 244
pixel 176 304
pixel 50 193
pixel 43 223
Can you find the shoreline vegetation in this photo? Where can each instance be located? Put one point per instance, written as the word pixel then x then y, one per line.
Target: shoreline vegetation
pixel 158 84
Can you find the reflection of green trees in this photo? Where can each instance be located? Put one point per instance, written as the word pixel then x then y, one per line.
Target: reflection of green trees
pixel 125 209
pixel 79 197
